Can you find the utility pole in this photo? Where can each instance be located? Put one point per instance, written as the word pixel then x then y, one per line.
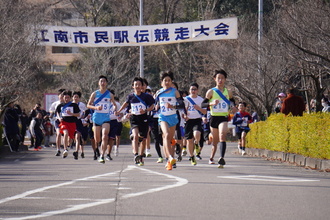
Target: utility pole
pixel 260 27
pixel 141 47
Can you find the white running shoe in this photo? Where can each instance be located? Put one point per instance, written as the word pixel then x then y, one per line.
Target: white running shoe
pixel 115 151
pixel 65 153
pixel 243 152
pixel 148 154
pixel 239 149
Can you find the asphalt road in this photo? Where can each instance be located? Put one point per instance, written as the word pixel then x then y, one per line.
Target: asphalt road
pixel 36 185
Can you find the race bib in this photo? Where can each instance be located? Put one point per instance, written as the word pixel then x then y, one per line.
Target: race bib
pixel 163 109
pixel 222 106
pixel 64 112
pixel 105 107
pixel 136 107
pixel 244 122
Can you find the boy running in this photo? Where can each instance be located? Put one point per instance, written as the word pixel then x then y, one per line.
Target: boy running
pixel 169 100
pixel 81 130
pixel 217 99
pixel 140 103
pixel 193 127
pixel 52 111
pixel 67 112
pixel 100 101
pixel 242 119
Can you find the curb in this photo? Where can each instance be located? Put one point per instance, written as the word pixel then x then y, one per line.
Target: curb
pixel 296 159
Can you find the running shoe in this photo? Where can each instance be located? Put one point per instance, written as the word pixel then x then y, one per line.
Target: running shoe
pixel 65 153
pixel 141 162
pixel 95 157
pixel 148 154
pixel 39 148
pixel 193 161
pixel 179 158
pixel 197 149
pixel 177 149
pixel 243 152
pixel 239 149
pixel 82 155
pixel 97 152
pixel 160 160
pixel 184 151
pixel 137 159
pixel 211 161
pixel 174 165
pixel 36 149
pixel 169 166
pixel 199 156
pixel 75 155
pixel 58 153
pixel 115 151
pixel 108 157
pixel 101 160
pixel 221 162
pixel 173 161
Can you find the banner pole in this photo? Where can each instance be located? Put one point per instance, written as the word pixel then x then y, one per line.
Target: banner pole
pixel 141 47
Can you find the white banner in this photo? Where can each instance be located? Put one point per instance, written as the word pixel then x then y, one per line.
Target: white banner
pixel 63 36
pixel 49 98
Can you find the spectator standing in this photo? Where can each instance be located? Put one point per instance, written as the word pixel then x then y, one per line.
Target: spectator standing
pixel 325 104
pixel 293 104
pixel 24 122
pixel 49 130
pixel 33 114
pixel 37 129
pixel 10 122
pixel 279 102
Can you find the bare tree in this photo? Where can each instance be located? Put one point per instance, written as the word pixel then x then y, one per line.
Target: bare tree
pixel 19 54
pixel 304 28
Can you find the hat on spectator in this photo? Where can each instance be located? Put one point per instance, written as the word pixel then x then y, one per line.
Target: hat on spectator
pixel 281 95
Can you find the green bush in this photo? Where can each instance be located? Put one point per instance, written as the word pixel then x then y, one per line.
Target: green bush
pixel 308 135
pixel 125 132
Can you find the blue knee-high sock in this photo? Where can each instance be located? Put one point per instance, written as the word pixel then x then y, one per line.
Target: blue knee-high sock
pixel 223 146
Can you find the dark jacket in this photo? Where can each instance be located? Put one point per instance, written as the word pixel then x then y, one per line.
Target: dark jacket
pixel 293 104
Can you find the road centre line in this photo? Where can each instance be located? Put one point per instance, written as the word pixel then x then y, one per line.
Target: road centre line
pixel 268 178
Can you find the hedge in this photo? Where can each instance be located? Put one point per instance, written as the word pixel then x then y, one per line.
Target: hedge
pixel 308 135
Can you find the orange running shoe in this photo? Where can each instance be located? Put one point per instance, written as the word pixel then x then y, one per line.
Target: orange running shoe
pixel 169 166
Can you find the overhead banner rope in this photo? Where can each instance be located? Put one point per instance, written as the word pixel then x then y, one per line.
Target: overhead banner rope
pixel 64 36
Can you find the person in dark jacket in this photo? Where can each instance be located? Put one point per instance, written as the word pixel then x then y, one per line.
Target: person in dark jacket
pixel 37 130
pixel 11 118
pixel 293 104
pixel 24 121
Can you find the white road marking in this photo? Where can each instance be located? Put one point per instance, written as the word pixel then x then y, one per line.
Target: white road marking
pixel 268 178
pixel 42 189
pixel 96 202
pixel 180 182
pixel 203 165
